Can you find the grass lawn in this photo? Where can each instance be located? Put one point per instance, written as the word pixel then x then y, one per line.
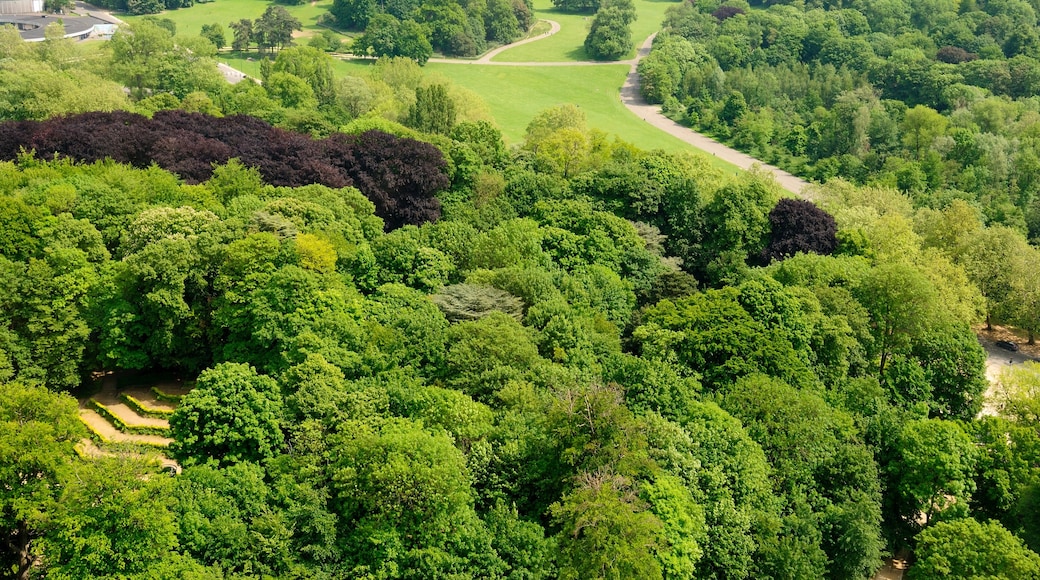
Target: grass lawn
pixel 515 94
pixel 569 43
pixel 224 12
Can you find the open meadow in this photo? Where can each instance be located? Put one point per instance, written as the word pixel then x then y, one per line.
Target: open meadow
pixel 568 44
pixel 224 12
pixel 514 94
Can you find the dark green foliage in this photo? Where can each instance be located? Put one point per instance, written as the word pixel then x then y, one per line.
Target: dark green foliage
pixel 274 28
pixel 610 37
pixel 387 36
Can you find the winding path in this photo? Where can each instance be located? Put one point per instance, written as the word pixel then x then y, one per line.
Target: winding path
pixel 633 99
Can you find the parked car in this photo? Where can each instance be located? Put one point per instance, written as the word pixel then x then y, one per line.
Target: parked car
pixel 1007 345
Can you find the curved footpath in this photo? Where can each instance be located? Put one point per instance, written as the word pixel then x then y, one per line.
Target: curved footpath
pixel 633 99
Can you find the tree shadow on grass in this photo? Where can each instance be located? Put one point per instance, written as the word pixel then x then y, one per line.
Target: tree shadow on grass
pixel 577 53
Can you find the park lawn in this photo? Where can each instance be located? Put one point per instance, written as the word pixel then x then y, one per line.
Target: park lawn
pixel 224 12
pixel 515 94
pixel 568 45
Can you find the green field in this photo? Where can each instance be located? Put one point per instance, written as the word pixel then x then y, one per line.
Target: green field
pixel 224 12
pixel 568 43
pixel 514 94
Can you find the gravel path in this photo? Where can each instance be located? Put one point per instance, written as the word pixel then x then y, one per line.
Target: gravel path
pixel 633 99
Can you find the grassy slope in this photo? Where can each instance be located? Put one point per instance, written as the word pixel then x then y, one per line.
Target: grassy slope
pixel 514 94
pixel 190 20
pixel 568 43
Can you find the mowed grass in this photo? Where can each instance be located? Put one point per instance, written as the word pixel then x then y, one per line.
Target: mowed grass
pixel 515 94
pixel 568 45
pixel 224 12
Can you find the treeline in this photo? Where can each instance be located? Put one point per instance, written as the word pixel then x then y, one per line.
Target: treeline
pixel 934 98
pixel 414 28
pixel 599 362
pixel 165 71
pixel 400 176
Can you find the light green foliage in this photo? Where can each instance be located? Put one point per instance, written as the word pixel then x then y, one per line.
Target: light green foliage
pixel 607 531
pixel 311 65
pixel 461 302
pixel 485 354
pixel 37 432
pixel 1021 392
pixel 902 304
pixel 114 522
pixel 711 333
pixel 936 459
pixel 966 548
pixel 402 493
pixel 433 111
pixel 683 522
pixel 229 517
pixel 412 328
pixel 232 415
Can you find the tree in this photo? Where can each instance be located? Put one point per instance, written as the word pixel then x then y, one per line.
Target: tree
pixel 275 27
pixel 242 34
pixel 610 36
pixel 353 14
pixel 215 34
pixel 311 65
pixel 607 531
pixel 38 429
pixel 902 305
pixel 797 225
pixel 232 415
pixel 137 51
pixel 921 125
pixel 115 520
pixel 385 35
pixel 995 260
pixel 433 111
pixel 500 21
pixel 965 548
pixel 933 471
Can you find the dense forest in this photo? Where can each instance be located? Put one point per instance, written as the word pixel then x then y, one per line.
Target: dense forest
pixel 418 352
pixel 935 98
